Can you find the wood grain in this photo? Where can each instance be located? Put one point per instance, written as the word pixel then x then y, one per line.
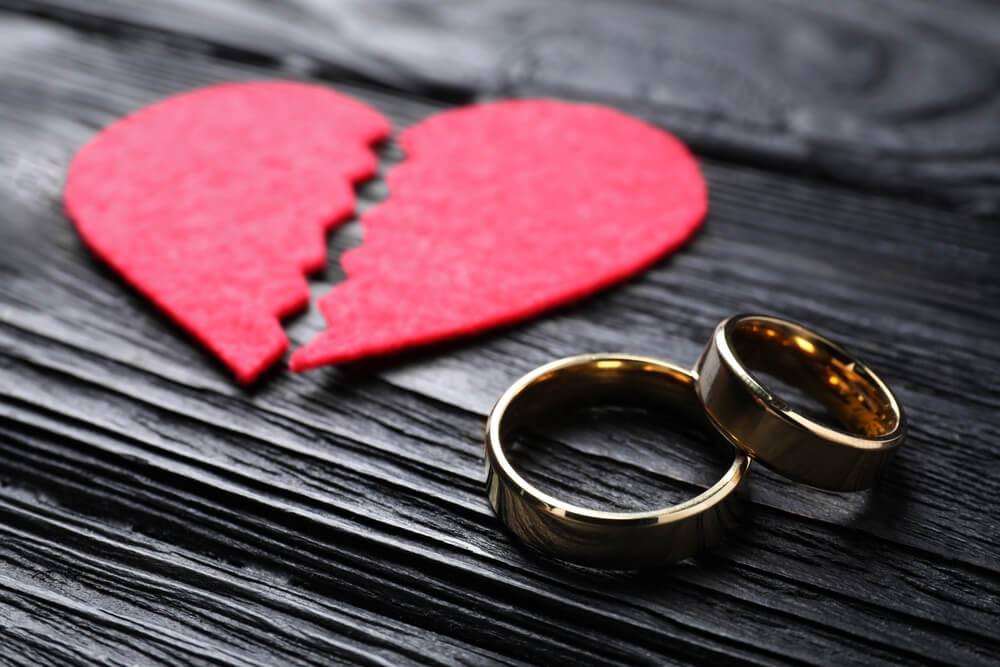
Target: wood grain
pixel 884 95
pixel 153 512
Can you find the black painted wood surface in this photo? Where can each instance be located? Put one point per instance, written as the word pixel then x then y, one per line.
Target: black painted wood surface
pixel 151 511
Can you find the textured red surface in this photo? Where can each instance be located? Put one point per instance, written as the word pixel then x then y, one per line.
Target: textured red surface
pixel 214 203
pixel 502 211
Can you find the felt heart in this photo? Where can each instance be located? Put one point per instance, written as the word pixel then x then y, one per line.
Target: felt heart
pixel 501 211
pixel 214 202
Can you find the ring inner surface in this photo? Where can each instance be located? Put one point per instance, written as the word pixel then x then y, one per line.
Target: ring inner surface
pixel 559 400
pixel 794 356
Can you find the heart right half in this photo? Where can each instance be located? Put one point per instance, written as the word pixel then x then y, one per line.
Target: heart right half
pixel 502 211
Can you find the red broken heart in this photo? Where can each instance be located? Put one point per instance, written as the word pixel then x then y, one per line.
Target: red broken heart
pixel 500 212
pixel 213 203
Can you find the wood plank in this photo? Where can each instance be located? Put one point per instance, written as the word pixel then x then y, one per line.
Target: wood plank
pixel 695 285
pixel 887 96
pixel 876 265
pixel 147 496
pixel 326 544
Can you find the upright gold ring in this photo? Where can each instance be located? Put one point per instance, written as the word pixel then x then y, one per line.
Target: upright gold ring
pixel 622 540
pixel 769 430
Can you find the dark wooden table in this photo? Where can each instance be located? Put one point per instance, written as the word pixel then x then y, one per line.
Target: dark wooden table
pixel 151 510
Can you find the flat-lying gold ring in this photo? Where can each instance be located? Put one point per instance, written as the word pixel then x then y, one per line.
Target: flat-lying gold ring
pixel 622 540
pixel 769 430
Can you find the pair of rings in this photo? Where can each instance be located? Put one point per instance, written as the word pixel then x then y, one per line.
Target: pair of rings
pixel 723 394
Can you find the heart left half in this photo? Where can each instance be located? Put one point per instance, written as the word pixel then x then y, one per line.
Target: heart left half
pixel 215 203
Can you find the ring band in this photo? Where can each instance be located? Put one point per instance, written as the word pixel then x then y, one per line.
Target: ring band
pixel 769 430
pixel 623 540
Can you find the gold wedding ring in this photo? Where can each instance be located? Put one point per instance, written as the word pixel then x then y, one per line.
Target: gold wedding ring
pixel 721 391
pixel 769 430
pixel 593 537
